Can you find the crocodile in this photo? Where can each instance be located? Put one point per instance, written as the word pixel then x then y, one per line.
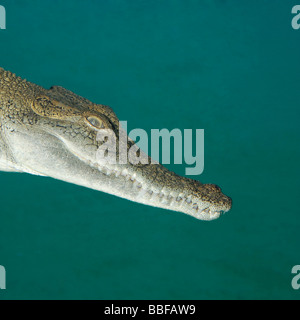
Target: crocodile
pixel 53 132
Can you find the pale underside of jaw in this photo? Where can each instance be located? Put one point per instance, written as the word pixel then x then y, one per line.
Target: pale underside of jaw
pixel 158 197
pixel 138 189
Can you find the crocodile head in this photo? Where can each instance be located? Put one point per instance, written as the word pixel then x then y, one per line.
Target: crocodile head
pixel 56 133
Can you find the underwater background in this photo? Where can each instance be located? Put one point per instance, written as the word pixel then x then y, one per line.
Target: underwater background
pixel 226 66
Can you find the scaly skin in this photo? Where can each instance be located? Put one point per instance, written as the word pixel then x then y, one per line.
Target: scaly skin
pixel 49 132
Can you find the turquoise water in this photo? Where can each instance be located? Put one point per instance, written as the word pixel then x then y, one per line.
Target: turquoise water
pixel 229 67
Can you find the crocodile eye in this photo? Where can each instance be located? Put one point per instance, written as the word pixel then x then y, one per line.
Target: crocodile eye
pixel 95 122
